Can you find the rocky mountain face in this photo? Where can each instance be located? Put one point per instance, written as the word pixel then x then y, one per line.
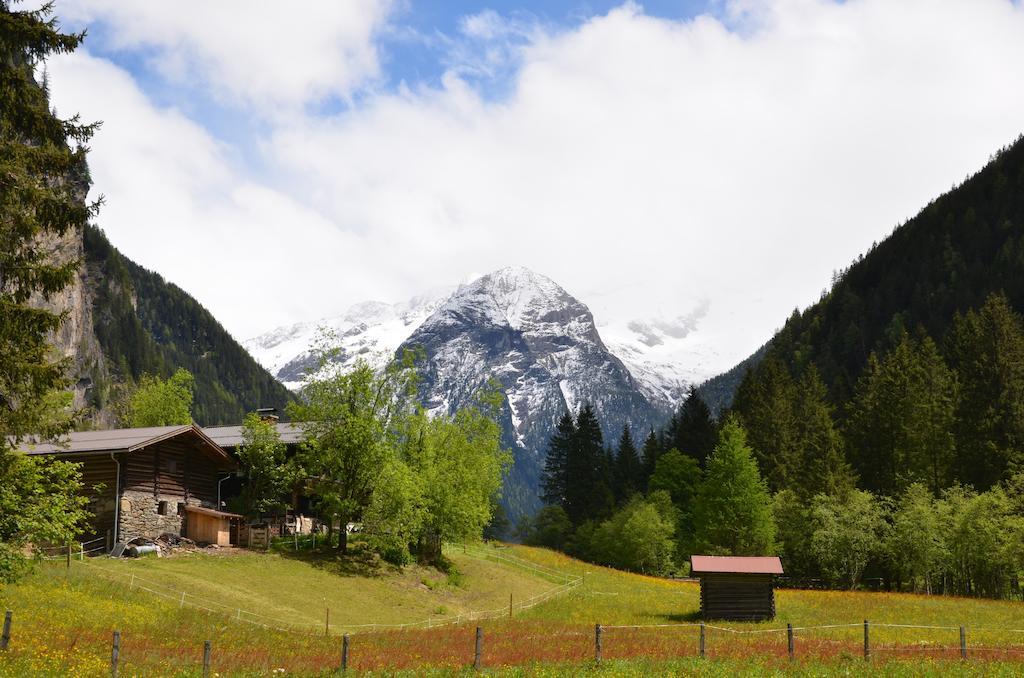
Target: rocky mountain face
pixel 76 338
pixel 542 345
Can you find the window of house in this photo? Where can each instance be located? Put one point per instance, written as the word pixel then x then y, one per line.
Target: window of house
pixel 162 508
pixel 181 508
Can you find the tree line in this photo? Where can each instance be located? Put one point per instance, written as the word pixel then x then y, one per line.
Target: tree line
pixel 692 487
pixel 917 481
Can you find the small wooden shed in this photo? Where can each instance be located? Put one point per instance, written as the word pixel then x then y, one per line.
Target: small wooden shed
pixel 740 588
pixel 209 526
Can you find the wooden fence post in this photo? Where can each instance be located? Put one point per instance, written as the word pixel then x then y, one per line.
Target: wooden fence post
pixel 510 605
pixel 963 643
pixel 597 643
pixel 479 648
pixel 108 545
pixel 69 556
pixel 789 634
pixel 867 641
pixel 344 653
pixel 81 551
pixel 327 623
pixel 207 649
pixel 702 640
pixel 5 639
pixel 115 654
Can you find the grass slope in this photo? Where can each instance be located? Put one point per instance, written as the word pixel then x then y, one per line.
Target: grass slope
pixel 63 622
pixel 290 591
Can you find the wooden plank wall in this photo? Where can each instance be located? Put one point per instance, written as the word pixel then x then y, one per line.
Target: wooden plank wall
pixel 737 596
pixel 209 529
pixel 173 468
pixel 99 471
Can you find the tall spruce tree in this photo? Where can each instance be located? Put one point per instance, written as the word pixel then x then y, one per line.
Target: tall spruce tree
pixel 651 451
pixel 765 404
pixel 693 430
pixel 554 479
pixel 627 472
pixel 588 495
pixel 732 513
pixel 44 179
pixel 987 351
pixel 818 464
pixel 899 430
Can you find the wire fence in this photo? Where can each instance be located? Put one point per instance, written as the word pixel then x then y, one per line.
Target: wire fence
pixel 76 550
pixel 453 642
pixel 531 642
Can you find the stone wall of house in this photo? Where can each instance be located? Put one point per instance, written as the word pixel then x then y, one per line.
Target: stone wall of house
pixel 140 515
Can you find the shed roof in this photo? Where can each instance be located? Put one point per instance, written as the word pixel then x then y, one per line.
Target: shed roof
pixel 231 436
pixel 80 443
pixel 212 512
pixel 735 565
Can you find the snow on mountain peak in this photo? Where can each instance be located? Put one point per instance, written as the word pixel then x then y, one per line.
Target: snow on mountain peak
pixel 513 297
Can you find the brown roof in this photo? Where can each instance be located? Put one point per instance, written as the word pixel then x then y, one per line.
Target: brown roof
pixel 231 436
pixel 80 443
pixel 735 564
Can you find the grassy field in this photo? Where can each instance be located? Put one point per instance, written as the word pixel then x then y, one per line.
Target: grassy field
pixel 280 589
pixel 63 621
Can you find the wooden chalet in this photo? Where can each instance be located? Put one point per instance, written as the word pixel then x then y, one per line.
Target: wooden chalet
pixel 143 482
pixel 737 588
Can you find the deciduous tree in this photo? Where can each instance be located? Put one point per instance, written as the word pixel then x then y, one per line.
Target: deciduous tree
pixel 268 476
pixel 847 533
pixel 161 402
pixel 352 421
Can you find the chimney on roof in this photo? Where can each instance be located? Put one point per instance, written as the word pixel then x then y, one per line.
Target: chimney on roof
pixel 268 414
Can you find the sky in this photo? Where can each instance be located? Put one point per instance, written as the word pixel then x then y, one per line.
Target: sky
pixel 711 163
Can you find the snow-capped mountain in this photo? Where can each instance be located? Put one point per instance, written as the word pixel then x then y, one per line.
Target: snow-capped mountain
pixel 523 329
pixel 543 346
pixel 663 363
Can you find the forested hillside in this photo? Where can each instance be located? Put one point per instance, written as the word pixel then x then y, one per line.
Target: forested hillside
pixel 918 346
pixel 146 325
pixel 961 248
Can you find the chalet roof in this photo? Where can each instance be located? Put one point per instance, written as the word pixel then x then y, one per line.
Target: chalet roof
pixel 121 440
pixel 231 436
pixel 735 565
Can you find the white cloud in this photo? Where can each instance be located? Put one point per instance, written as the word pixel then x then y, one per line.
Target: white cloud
pixel 254 52
pixel 645 164
pixel 648 164
pixel 179 203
